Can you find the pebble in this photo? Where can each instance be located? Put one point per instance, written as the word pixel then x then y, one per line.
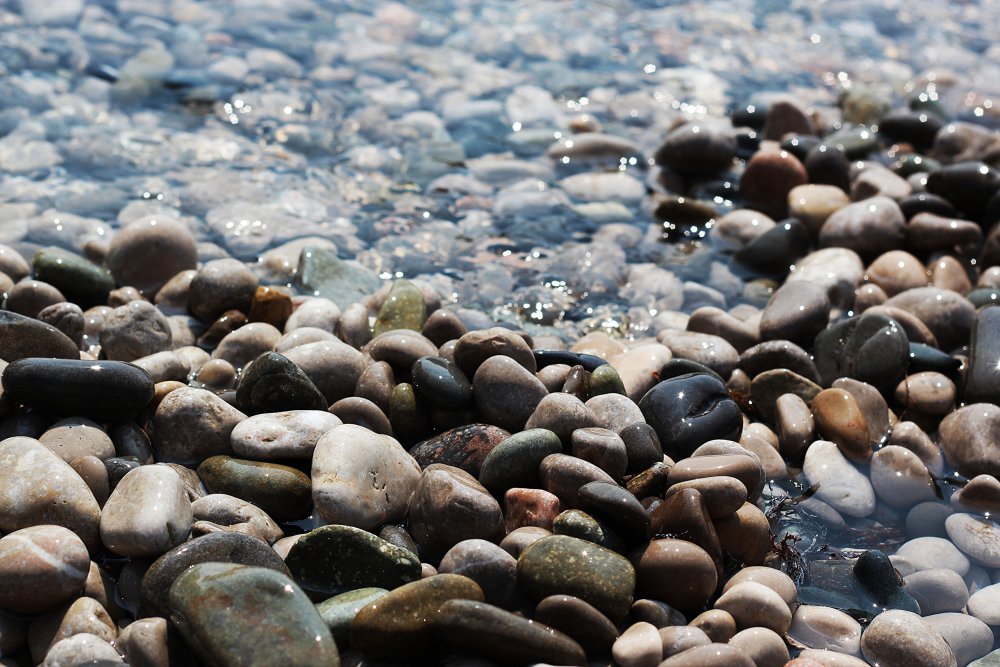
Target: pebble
pixel 475 347
pixel 506 392
pixel 221 547
pixel 638 646
pixel 31 297
pixel 947 314
pixel 712 655
pixel 400 624
pixel 976 537
pixel 273 383
pixel 223 510
pixel 334 367
pixel 31 479
pixel 403 308
pixel 221 285
pixel 970 439
pixel 502 636
pixel 148 513
pixel 967 636
pixel 602 447
pixel 937 590
pixel 825 628
pixel 43 566
pixel 982 493
pixel 560 564
pixel 102 390
pixel 900 478
pixel 579 620
pixel 563 414
pixel 678 572
pixel 466 447
pixel 981 384
pixel 238 614
pixel 84 615
pixel 812 204
pixel 768 178
pixel 330 560
pixel 763 646
pixel 984 604
pixel 870 348
pixel 688 410
pixel 797 312
pixel 82 649
pixel 697 149
pixel 441 383
pixel 148 252
pixel 755 605
pixel 711 351
pixel 190 425
pixel 869 227
pixel 926 553
pixel 80 280
pixel 361 478
pixel 488 565
pixel 290 434
pixel 76 437
pixel 897 637
pixel 281 491
pixel 449 506
pixel 840 484
pixel 22 337
pixel 639 368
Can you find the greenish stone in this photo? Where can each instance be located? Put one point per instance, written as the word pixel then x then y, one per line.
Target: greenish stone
pixel 333 559
pixel 285 493
pixel 239 615
pixel 407 417
pixel 861 104
pixel 514 462
pixel 321 273
pixel 576 523
pixel 856 141
pixel 339 611
pixel 911 164
pixel 882 585
pixel 398 626
pixel 563 565
pixel 79 279
pixel 273 383
pixel 403 308
pixel 605 380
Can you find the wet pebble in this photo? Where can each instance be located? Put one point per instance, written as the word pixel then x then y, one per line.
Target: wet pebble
pixel 506 393
pixel 977 537
pixel 148 513
pixel 449 506
pixel 898 637
pixel 291 434
pixel 840 483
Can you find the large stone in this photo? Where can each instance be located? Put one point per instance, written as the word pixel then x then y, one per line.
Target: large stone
pixel 101 390
pixel 689 410
pixel 191 425
pixel 236 615
pixel 970 438
pixel 41 567
pixel 22 337
pixel 148 513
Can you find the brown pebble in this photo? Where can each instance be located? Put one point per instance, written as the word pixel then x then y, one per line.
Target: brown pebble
pixel 718 624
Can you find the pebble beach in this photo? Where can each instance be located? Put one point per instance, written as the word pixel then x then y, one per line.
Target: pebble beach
pixel 479 333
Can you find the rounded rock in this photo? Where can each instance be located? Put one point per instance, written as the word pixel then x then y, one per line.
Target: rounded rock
pixel 42 567
pixel 150 251
pixel 902 638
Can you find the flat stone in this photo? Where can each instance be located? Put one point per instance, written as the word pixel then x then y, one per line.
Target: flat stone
pixel 400 624
pixel 79 279
pixel 38 488
pixel 43 567
pixel 559 564
pixel 514 461
pixel 580 620
pixel 466 447
pixel 22 337
pixel 977 537
pixel 321 273
pixel 101 390
pixel 223 547
pixel 191 425
pixel 283 492
pixel 947 314
pixel 564 475
pixel 797 311
pixel 361 478
pixel 900 478
pixel 291 434
pixel 330 560
pixel 239 614
pixel 498 634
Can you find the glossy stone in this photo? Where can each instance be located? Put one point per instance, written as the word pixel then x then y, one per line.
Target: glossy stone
pixel 441 383
pixel 101 390
pixel 334 559
pixel 403 308
pixel 223 547
pixel 466 447
pixel 238 614
pixel 272 383
pixel 689 410
pixel 514 461
pixel 281 491
pixel 567 565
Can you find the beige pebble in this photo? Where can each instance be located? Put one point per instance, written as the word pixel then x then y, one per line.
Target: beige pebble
pixel 148 513
pixel 755 605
